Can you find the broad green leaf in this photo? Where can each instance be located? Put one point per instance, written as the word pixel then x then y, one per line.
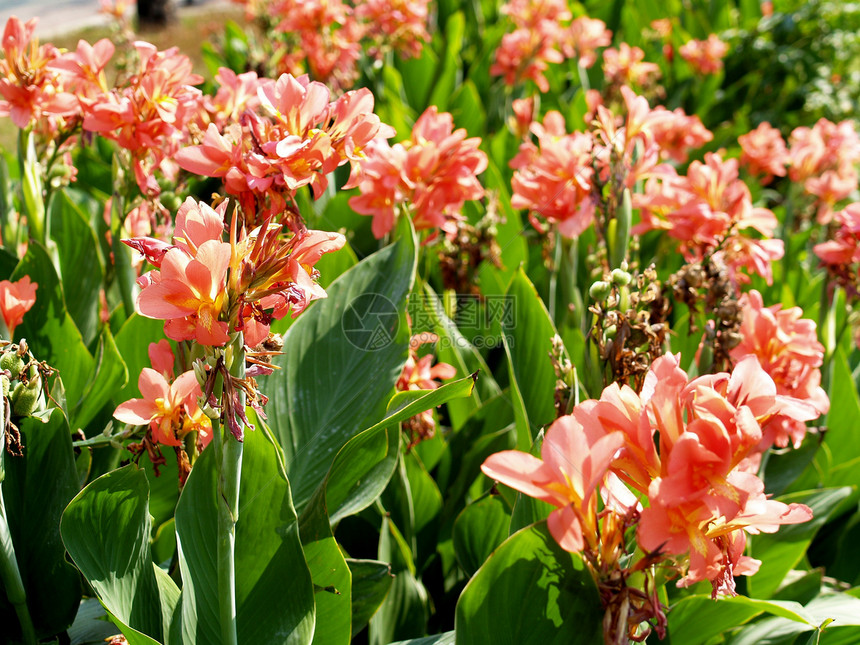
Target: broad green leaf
pixel 274 593
pixel 455 350
pixel 695 620
pixel 362 468
pixel 439 639
pixel 48 328
pixel 780 552
pixel 404 612
pixel 341 359
pixel 109 376
pixel 530 591
pixel 449 69
pixel 330 574
pixel 332 265
pixel 468 111
pixel 529 336
pixel 81 266
pixel 842 427
pixel 91 626
pixel 371 581
pixel 418 76
pixel 106 530
pixel 478 530
pixel 37 487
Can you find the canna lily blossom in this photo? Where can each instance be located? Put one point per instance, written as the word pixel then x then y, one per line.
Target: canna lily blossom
pixel 169 409
pixel 189 293
pixel 786 345
pixel 574 459
pixel 705 56
pixel 764 152
pixel 16 299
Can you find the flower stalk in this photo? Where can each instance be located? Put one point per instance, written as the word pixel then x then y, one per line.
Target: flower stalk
pixel 229 456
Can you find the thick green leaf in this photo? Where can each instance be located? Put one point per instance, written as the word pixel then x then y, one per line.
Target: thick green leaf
pixel 439 639
pixel 274 592
pixel 530 591
pixel 37 488
pixel 695 620
pixel 371 581
pixel 781 551
pixel 478 530
pixel 529 336
pixel 362 468
pixel 81 266
pixel 842 608
pixel 330 574
pixel 449 69
pixel 842 427
pixel 110 375
pixel 404 612
pixel 91 626
pixel 49 329
pixel 341 359
pixel 106 530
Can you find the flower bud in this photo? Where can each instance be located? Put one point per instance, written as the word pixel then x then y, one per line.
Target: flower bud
pixel 600 291
pixel 621 277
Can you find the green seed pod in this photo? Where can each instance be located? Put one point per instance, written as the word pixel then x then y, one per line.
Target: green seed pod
pixel 24 399
pixel 621 277
pixel 12 362
pixel 600 291
pixel 5 384
pixel 610 331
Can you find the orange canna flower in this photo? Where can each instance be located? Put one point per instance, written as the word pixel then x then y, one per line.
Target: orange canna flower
pixel 170 410
pixel 16 299
pixel 575 457
pixel 189 293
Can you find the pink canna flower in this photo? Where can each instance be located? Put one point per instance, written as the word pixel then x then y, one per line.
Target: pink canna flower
pixel 705 56
pixel 431 175
pixel 523 55
pixel 583 38
pixel 399 25
pixel 554 178
pixel 843 250
pixel 574 460
pixel 626 66
pixel 31 91
pixel 676 133
pixel 161 358
pixel 169 409
pixel 764 152
pixel 16 299
pixel 189 293
pixel 787 348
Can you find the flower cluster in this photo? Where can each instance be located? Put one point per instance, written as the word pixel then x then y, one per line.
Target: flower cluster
pixel 169 408
pixel 288 135
pixel 710 211
pixel 627 66
pixel 560 178
pixel 148 115
pixel 786 345
pixel 681 445
pixel 822 159
pixel 705 56
pixel 542 35
pixel 430 175
pixel 326 38
pixel 206 289
pixel 32 91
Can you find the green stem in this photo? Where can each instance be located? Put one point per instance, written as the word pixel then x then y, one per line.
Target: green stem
pixel 12 581
pixel 553 277
pixel 229 474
